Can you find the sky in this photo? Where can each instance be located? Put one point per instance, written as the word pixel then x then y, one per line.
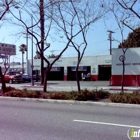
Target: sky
pixel 98 43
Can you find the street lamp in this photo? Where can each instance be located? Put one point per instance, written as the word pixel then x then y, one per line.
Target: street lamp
pixel 32 80
pixel 32 66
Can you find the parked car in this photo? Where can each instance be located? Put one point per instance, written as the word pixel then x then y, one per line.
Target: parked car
pixel 12 77
pixel 36 78
pixel 26 78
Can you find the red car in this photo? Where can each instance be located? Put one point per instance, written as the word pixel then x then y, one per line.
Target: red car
pixel 12 77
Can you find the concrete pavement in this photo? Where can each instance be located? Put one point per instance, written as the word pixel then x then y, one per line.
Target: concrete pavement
pixel 72 85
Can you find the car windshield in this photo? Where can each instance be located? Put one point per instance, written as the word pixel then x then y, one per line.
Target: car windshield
pixel 13 73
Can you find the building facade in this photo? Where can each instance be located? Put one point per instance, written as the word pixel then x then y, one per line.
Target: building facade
pixel 99 68
pixel 131 67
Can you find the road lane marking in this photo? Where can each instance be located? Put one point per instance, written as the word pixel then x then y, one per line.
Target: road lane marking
pixel 104 123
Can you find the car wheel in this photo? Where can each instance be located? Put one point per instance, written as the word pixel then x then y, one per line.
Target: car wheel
pixel 10 81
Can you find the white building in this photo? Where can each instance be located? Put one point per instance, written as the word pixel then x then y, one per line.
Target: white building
pixel 105 67
pixel 132 67
pixel 64 68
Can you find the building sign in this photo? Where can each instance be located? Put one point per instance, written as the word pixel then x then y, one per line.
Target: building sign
pixel 4 56
pixel 80 68
pixel 93 70
pixel 55 69
pixel 7 49
pixel 131 59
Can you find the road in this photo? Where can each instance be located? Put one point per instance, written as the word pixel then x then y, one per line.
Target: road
pixel 24 120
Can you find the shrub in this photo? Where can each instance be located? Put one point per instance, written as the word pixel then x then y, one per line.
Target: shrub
pixel 59 95
pixel 102 94
pixel 132 98
pixel 13 93
pixel 9 88
pixel 84 95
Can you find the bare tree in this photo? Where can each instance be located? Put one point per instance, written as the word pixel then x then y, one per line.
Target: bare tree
pixel 5 6
pixel 74 19
pixel 131 10
pixel 38 39
pixel 119 17
pixel 126 14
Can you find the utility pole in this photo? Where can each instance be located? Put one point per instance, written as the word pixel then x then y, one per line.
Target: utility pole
pixel 42 39
pixel 110 39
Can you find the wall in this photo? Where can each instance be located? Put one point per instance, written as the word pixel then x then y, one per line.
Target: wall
pixel 132 67
pixel 92 61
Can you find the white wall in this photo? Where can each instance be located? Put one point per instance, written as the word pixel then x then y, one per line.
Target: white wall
pixel 65 62
pixel 132 61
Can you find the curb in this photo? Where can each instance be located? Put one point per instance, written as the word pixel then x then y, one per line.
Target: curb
pixel 72 102
pixel 125 89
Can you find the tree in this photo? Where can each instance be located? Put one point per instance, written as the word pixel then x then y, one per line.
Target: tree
pixel 127 14
pixel 68 18
pixel 131 10
pixel 5 6
pixel 74 19
pixel 34 33
pixel 115 10
pixel 133 40
pixel 22 49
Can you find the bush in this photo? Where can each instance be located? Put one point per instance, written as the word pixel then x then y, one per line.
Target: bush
pixel 84 95
pixel 101 94
pixel 9 88
pixel 23 93
pixel 131 98
pixel 13 93
pixel 59 95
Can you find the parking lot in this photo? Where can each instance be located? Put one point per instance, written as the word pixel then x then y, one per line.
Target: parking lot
pixel 62 85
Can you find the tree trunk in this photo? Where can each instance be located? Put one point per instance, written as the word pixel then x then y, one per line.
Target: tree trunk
pixel 122 82
pixel 77 79
pixel 4 89
pixel 45 80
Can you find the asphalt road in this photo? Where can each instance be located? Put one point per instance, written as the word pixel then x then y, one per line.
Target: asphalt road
pixel 24 120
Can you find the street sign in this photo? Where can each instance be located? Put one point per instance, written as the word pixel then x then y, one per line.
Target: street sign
pixel 7 49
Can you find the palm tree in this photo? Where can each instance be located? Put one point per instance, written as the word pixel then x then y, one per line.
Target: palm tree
pixel 22 49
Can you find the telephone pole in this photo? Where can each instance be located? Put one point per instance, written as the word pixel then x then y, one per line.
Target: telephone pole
pixel 42 39
pixel 110 39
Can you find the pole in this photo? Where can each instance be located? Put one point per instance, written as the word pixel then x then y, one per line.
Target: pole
pixel 42 39
pixel 23 62
pixel 110 39
pixel 13 63
pixel 32 51
pixel 27 53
